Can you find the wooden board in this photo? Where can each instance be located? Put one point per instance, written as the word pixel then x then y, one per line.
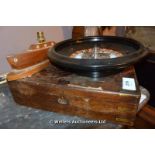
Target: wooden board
pixel 67 93
pixel 36 54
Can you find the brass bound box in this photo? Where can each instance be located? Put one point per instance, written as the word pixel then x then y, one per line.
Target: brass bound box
pixel 106 98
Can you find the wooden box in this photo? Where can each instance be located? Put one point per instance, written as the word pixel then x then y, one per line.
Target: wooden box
pixel 56 90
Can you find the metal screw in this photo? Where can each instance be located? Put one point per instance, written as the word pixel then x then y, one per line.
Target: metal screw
pixel 62 100
pixel 15 60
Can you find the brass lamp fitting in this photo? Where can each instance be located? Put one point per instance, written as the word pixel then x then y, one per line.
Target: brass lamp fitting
pixel 41 37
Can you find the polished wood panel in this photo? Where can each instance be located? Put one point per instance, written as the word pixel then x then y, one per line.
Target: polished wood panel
pixel 145 118
pixel 27 72
pixel 30 57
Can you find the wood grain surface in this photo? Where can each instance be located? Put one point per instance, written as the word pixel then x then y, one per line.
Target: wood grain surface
pixel 59 91
pixel 30 57
pixel 27 72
